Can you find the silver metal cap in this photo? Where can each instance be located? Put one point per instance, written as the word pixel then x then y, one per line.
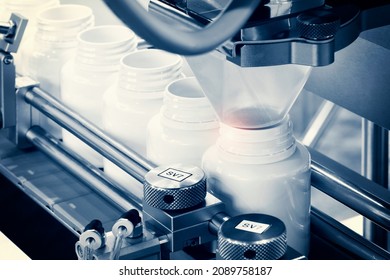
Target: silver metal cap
pixel 252 237
pixel 175 187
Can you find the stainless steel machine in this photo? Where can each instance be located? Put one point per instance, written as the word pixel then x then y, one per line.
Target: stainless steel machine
pixel 179 219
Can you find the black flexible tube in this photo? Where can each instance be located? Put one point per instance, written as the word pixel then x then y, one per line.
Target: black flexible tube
pixel 163 36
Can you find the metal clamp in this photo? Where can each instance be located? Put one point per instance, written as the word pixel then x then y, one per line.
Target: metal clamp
pixel 12 31
pixel 25 115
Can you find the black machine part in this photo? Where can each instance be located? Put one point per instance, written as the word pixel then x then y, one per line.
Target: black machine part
pixel 251 33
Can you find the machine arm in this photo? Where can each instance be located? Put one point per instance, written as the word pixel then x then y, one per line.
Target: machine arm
pixel 254 33
pixel 160 34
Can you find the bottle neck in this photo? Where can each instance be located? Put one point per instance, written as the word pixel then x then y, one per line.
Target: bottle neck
pixel 146 86
pixel 257 146
pixel 187 109
pixel 101 48
pixel 29 8
pixel 61 25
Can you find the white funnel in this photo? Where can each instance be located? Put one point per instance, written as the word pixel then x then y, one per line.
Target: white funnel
pixel 248 98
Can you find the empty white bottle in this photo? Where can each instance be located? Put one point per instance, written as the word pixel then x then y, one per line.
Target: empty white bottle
pixel 2 9
pixel 263 171
pixel 134 99
pixel 54 43
pixel 86 77
pixel 29 9
pixel 185 127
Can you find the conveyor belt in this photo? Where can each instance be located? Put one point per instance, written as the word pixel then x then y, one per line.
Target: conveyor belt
pixel 66 198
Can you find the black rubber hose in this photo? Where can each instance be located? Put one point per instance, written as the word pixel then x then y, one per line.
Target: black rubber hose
pixel 164 36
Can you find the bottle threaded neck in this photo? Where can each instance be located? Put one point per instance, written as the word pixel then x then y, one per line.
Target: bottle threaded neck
pixel 63 23
pixel 27 7
pixel 186 107
pixel 100 48
pixel 146 73
pixel 257 146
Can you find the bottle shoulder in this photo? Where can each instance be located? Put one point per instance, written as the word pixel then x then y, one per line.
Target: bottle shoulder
pixel 71 73
pixel 299 161
pixel 158 123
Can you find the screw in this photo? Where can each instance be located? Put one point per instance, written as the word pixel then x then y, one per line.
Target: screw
pixel 8 60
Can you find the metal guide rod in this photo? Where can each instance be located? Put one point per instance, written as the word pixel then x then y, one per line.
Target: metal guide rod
pixel 331 230
pixel 319 123
pixel 88 174
pixel 132 163
pixel 375 166
pixel 351 189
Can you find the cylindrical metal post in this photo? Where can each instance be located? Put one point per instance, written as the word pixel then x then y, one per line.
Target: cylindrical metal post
pixel 217 221
pixel 375 166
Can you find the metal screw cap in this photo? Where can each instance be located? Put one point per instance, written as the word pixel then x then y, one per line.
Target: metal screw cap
pixel 318 24
pixel 252 237
pixel 175 187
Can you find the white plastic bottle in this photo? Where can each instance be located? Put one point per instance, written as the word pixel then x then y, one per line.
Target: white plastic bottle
pixel 54 43
pixel 134 99
pixel 29 9
pixel 263 171
pixel 2 9
pixel 86 77
pixel 185 127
